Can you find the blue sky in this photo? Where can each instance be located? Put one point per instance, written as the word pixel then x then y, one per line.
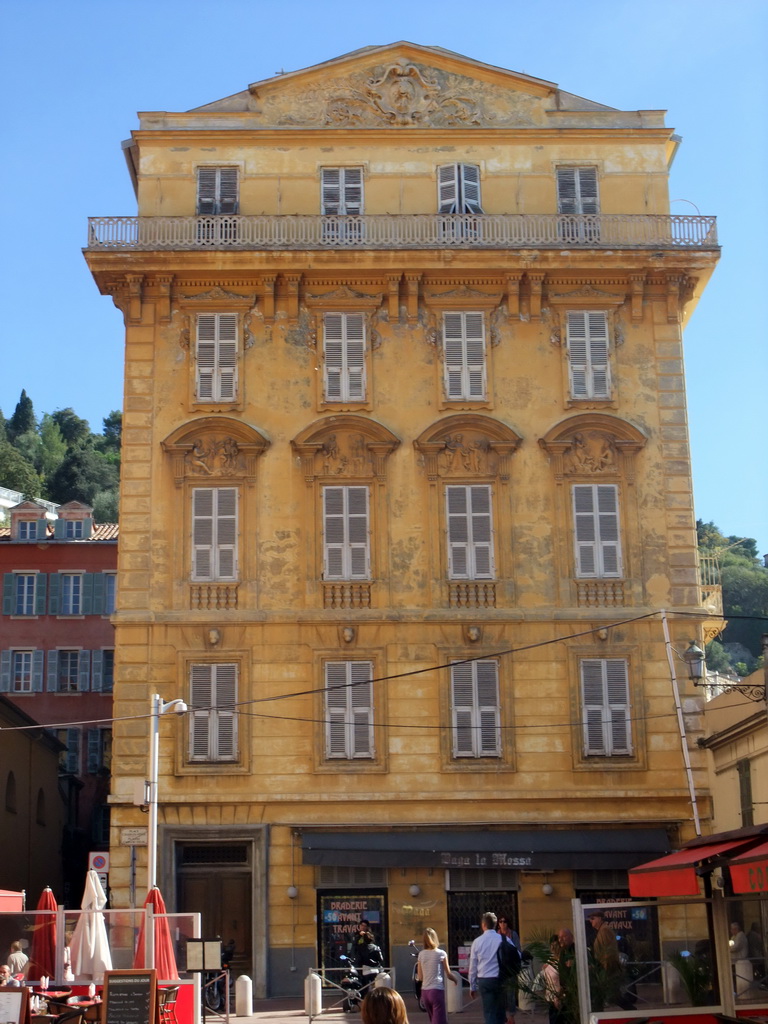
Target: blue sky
pixel 74 74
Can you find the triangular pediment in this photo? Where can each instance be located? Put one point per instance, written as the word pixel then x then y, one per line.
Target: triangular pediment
pixel 399 85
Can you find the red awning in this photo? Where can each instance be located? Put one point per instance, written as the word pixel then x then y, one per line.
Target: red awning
pixel 749 871
pixel 675 874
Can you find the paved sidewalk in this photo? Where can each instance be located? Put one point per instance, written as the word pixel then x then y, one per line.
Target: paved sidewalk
pixel 293 1010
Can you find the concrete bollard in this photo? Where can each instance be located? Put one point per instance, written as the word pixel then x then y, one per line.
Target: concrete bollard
pixel 383 980
pixel 454 995
pixel 244 996
pixel 313 995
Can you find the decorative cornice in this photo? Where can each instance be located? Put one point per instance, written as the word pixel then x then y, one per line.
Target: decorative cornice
pixel 468 445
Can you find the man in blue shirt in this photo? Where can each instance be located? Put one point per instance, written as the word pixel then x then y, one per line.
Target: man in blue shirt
pixel 484 971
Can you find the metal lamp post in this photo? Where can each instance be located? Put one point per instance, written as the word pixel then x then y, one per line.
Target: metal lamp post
pixel 158 707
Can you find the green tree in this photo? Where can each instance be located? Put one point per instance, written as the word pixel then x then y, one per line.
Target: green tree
pixel 17 473
pixel 74 430
pixel 54 447
pixel 23 418
pixel 105 506
pixel 113 429
pixel 81 476
pixel 745 597
pixel 30 446
pixel 3 427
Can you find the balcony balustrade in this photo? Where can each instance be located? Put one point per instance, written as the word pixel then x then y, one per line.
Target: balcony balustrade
pixel 417 231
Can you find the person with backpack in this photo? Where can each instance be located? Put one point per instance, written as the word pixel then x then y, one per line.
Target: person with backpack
pixel 368 959
pixel 510 957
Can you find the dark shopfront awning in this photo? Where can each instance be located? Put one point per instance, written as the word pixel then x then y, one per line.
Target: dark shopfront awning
pixel 526 850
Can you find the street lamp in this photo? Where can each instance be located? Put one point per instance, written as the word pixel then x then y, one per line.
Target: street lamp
pixel 694 658
pixel 157 707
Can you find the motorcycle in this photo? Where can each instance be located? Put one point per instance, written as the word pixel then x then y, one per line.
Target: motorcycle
pixel 414 950
pixel 216 983
pixel 352 985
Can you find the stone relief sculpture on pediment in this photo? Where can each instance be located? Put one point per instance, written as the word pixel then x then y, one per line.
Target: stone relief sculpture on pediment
pixel 468 445
pixel 593 445
pixel 400 94
pixel 346 446
pixel 214 447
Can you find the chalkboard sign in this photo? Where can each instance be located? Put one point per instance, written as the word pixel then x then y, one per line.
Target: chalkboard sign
pixel 130 997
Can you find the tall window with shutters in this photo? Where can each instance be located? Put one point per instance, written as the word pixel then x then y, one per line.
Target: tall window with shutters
pixel 605 707
pixel 475 710
pixel 214 533
pixel 588 367
pixel 349 709
pixel 458 188
pixel 346 533
pixel 596 531
pixel 341 197
pixel 577 190
pixel 213 707
pixel 344 357
pixel 216 357
pixel 577 197
pixel 217 191
pixel 464 357
pixel 470 532
pixel 341 191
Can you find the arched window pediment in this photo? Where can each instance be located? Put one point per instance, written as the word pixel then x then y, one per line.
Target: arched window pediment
pixel 344 446
pixel 213 447
pixel 593 445
pixel 468 444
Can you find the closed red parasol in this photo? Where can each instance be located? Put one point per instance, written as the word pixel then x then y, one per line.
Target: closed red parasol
pixel 165 958
pixel 43 952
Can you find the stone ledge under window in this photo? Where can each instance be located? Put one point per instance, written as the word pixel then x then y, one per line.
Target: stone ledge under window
pixel 472 594
pixel 213 596
pixel 600 593
pixel 347 595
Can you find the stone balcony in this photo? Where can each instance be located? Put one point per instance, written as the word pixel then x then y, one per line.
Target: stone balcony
pixel 417 231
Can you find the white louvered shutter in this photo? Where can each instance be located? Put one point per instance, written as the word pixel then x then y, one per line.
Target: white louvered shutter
pixel 448 188
pixel 201 703
pixel 462 708
pixel 470 532
pixel 488 735
pixel 349 709
pixel 361 706
pixel 577 190
pixel 344 364
pixel 214 533
pixel 605 706
pixel 469 179
pixel 217 357
pixel 464 356
pixel 475 709
pixel 588 354
pixel 336 709
pixel 225 695
pixel 596 530
pixel 217 191
pixel 346 540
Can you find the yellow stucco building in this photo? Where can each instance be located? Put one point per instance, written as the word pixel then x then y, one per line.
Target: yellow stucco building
pixel 406 483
